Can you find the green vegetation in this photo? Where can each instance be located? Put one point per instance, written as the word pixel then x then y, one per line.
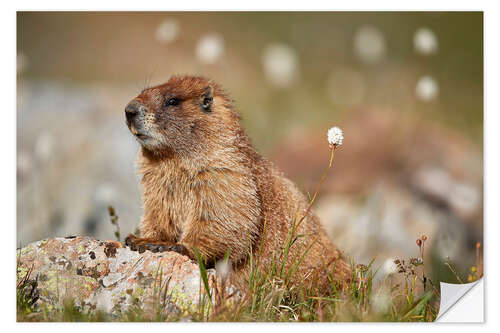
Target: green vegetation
pixel 268 298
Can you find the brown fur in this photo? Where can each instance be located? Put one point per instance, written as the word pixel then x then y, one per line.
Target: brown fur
pixel 205 186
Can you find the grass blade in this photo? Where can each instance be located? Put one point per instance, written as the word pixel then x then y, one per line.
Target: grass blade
pixel 203 273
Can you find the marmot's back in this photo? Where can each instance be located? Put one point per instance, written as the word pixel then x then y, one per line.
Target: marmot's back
pixel 282 203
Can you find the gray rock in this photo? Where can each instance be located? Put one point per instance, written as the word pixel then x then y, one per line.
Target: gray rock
pixel 104 275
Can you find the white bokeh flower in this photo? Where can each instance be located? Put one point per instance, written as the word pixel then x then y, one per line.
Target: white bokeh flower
pixel 335 136
pixel 427 88
pixel 280 63
pixel 389 267
pixel 425 41
pixel 210 48
pixel 167 31
pixel 369 45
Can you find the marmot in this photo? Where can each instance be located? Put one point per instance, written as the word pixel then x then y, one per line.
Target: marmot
pixel 205 187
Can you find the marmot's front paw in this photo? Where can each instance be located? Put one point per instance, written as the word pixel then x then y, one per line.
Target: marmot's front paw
pixel 128 240
pixel 156 248
pixel 164 247
pixel 143 244
pixel 132 241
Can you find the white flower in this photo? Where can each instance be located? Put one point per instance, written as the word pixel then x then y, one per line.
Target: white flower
pixel 281 65
pixel 369 45
pixel 425 41
pixel 389 267
pixel 210 48
pixel 167 31
pixel 335 136
pixel 427 88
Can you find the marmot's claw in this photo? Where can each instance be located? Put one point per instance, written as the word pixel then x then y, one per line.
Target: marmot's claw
pixel 142 244
pixel 155 248
pixel 177 248
pixel 152 247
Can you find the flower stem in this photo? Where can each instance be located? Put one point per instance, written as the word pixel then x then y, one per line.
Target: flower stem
pixel 318 187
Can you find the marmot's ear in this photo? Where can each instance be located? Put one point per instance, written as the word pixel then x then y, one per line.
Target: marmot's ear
pixel 207 100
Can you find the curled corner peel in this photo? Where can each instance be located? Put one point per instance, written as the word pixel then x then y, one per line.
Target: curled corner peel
pixel 452 294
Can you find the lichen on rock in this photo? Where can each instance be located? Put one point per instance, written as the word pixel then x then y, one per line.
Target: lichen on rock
pixel 106 276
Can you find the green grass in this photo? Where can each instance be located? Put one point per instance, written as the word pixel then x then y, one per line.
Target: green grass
pixel 267 299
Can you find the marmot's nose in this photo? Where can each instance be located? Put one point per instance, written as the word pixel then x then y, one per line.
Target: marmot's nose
pixel 132 110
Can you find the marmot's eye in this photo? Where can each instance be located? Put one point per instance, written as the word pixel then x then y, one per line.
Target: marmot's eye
pixel 207 102
pixel 172 101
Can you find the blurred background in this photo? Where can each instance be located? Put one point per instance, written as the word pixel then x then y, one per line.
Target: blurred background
pixel 407 88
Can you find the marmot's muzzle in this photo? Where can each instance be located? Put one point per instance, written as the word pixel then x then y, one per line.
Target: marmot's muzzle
pixel 132 110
